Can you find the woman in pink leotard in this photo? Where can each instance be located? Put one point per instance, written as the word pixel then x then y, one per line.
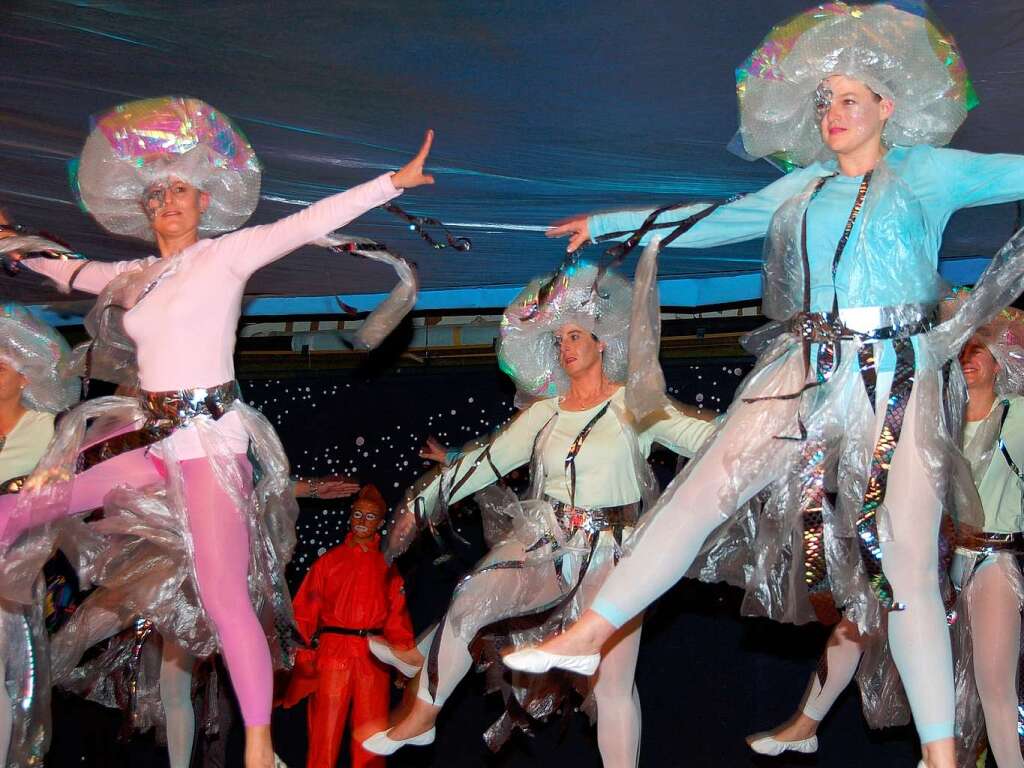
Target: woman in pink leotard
pixel 170 170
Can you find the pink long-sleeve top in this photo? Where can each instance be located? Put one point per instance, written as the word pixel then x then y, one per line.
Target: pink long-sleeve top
pixel 184 330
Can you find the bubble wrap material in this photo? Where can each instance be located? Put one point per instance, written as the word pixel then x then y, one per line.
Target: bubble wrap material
pixel 148 565
pixel 527 352
pixel 27 677
pixel 40 354
pixel 902 55
pixel 142 142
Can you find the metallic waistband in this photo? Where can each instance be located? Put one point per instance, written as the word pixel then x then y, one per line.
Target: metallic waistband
pixel 177 408
pixel 983 541
pixel 863 323
pixel 593 520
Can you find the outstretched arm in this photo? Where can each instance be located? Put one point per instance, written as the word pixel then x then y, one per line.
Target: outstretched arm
pixel 81 274
pixel 249 249
pixel 472 470
pixel 970 178
pixel 680 428
pixel 743 219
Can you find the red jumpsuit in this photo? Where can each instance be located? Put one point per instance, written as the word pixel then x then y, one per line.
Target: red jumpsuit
pixel 352 589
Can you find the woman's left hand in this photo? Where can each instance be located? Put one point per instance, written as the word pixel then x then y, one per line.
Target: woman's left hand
pixel 411 174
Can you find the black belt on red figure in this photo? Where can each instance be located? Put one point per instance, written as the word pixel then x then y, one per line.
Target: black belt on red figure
pixel 350 631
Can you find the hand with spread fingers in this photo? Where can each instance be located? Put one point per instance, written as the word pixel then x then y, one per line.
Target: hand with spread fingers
pixel 411 174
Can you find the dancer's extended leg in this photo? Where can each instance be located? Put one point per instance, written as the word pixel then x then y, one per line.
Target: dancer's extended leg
pixel 485 598
pixel 176 697
pixel 743 458
pixel 88 489
pixel 995 629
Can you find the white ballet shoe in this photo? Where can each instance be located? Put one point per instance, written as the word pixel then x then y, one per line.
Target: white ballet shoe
pixel 278 762
pixel 381 744
pixel 382 652
pixel 537 661
pixel 769 745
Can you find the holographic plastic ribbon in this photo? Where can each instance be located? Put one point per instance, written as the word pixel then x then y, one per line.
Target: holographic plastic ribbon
pixel 812 501
pixel 878 477
pixel 24 243
pixel 419 225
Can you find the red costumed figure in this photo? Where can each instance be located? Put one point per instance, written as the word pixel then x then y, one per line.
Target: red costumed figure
pixel 349 596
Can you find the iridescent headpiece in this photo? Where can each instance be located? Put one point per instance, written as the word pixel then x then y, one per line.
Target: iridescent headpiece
pixel 1004 337
pixel 40 354
pixel 903 55
pixel 575 294
pixel 142 142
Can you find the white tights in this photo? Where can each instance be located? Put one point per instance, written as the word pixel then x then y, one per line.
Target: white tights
pixel 491 594
pixel 176 697
pixel 743 459
pixel 995 631
pixel 842 655
pixel 6 712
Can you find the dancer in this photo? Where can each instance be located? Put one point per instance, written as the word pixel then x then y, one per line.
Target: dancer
pixel 847 392
pixel 564 343
pixel 990 543
pixel 350 598
pixel 987 626
pixel 179 313
pixel 148 676
pixel 34 385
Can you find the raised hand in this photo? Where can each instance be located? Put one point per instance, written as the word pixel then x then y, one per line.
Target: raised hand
pixel 574 228
pixel 402 531
pixel 411 174
pixel 432 450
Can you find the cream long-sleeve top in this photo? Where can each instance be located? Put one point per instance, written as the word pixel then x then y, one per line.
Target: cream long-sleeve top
pixel 25 444
pixel 605 470
pixel 999 488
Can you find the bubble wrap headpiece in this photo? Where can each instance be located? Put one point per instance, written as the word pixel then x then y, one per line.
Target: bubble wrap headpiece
pixel 903 55
pixel 40 354
pixel 1004 338
pixel 527 351
pixel 142 142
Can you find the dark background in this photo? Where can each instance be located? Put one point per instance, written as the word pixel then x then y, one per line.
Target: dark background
pixel 706 676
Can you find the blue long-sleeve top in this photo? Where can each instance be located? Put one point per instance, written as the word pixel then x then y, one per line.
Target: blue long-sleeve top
pixel 895 261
